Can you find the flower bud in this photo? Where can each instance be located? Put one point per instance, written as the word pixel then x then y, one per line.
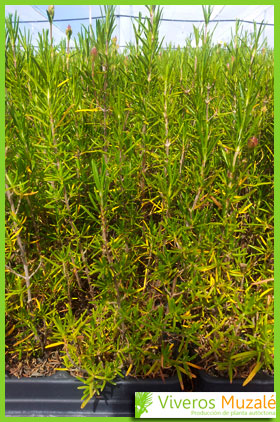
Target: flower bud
pixel 93 52
pixel 68 32
pixel 50 12
pixel 252 142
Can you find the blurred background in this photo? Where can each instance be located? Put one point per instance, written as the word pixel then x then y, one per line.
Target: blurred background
pixel 177 21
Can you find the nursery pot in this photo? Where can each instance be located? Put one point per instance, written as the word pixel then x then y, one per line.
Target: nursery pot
pixel 57 395
pixel 208 383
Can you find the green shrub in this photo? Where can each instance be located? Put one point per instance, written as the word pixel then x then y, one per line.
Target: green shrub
pixel 139 212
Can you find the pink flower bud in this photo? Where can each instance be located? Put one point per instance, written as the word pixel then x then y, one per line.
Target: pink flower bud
pixel 68 32
pixel 253 142
pixel 94 52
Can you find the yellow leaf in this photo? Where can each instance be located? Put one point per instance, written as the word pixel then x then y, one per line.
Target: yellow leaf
pixel 252 373
pixel 242 181
pixel 154 287
pixel 146 225
pixel 266 291
pixel 265 244
pixel 245 209
pixel 145 281
pixel 212 281
pixel 11 330
pixel 31 348
pixel 129 369
pixel 21 341
pixel 210 267
pixel 54 344
pixel 38 303
pixel 17 233
pixel 62 83
pixel 235 273
pixel 85 402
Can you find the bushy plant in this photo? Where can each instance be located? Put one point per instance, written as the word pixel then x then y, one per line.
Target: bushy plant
pixel 139 212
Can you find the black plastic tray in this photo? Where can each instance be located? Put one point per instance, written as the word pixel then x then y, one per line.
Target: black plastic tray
pixel 260 383
pixel 58 395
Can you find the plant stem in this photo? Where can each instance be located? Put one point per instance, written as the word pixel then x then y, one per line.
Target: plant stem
pixel 21 247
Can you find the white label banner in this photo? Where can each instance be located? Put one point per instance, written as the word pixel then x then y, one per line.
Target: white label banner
pixel 205 405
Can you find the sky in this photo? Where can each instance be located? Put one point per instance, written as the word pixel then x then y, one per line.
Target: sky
pixel 173 32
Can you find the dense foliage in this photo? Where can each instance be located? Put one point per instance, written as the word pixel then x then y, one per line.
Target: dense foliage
pixel 139 212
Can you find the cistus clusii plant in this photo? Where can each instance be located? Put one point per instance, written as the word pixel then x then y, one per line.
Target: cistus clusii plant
pixel 139 204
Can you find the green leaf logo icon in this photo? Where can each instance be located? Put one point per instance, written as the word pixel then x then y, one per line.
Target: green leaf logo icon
pixel 142 401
